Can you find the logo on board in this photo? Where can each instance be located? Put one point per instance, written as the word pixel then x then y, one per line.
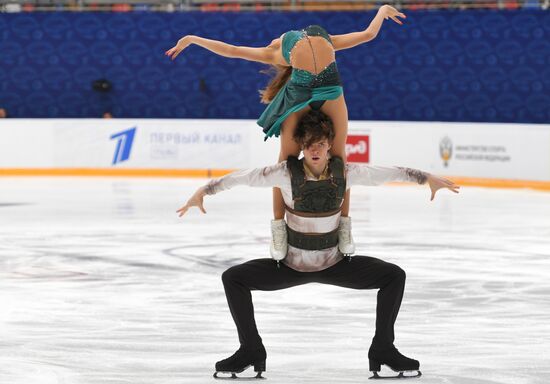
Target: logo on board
pixel 446 150
pixel 124 139
pixel 357 148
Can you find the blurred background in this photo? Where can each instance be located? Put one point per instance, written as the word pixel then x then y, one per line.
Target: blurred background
pixel 466 61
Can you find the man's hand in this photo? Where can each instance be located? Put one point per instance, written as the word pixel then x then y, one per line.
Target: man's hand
pixel 390 12
pixel 195 201
pixel 436 183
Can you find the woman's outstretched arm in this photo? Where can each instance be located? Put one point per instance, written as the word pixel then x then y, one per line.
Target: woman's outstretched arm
pixel 350 40
pixel 263 54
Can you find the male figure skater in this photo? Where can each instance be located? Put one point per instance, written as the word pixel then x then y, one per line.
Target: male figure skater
pixel 313 189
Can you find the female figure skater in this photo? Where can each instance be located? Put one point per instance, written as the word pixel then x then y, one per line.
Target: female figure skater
pixel 306 78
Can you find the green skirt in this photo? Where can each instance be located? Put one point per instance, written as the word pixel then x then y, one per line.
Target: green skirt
pixel 292 98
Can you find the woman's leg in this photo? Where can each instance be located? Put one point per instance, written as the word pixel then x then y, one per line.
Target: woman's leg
pixel 338 113
pixel 288 148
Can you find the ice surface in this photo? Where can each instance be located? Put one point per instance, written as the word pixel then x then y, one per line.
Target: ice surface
pixel 100 282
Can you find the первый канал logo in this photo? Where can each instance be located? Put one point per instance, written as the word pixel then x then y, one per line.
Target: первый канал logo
pixel 124 144
pixel 446 150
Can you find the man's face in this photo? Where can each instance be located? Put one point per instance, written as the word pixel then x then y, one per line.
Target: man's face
pixel 2 113
pixel 317 153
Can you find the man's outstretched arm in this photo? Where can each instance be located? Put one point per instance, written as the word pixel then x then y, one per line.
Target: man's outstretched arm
pixel 359 174
pixel 272 176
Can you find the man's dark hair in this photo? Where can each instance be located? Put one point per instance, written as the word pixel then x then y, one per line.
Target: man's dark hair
pixel 314 127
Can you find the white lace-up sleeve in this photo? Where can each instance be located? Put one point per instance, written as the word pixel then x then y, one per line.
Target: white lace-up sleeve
pixel 272 176
pixel 362 174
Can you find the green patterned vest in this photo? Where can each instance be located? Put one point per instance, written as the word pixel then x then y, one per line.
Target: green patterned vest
pixel 315 199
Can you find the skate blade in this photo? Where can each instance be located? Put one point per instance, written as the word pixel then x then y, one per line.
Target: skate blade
pixel 401 375
pixel 233 376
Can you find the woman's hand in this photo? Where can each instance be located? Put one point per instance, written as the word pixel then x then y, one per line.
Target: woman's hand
pixel 195 201
pixel 436 183
pixel 183 43
pixel 390 12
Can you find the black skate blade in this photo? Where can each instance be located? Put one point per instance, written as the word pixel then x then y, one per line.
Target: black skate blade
pixel 400 376
pixel 233 376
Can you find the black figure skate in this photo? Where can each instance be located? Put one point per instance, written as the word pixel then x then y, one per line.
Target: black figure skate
pixel 407 368
pixel 239 361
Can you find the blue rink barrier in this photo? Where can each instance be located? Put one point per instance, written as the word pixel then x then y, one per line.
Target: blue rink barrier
pixel 478 66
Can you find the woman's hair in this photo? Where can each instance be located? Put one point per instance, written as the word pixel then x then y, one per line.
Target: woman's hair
pixel 314 127
pixel 281 76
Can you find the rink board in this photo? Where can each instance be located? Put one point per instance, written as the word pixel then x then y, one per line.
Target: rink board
pixel 187 147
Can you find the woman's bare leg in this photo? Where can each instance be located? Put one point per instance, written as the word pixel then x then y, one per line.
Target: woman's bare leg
pixel 338 113
pixel 288 148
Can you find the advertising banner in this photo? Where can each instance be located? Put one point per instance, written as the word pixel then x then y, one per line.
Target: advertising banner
pixel 489 151
pixel 498 151
pixel 125 143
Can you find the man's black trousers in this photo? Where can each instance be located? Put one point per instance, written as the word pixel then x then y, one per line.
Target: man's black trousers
pixel 359 272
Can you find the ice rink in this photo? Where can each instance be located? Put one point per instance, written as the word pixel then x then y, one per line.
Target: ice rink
pixel 102 283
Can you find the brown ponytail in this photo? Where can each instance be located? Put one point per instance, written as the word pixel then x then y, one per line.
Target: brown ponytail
pixel 282 74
